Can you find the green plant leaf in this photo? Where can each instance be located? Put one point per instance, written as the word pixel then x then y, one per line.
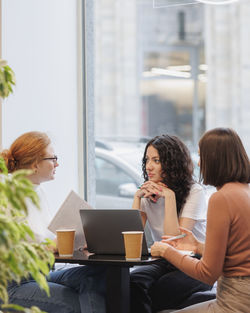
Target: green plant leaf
pixel 7 80
pixel 20 258
pixel 17 308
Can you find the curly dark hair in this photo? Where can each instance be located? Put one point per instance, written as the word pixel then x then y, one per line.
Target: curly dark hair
pixel 177 166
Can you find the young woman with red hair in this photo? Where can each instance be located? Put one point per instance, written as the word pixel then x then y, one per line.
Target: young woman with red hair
pixel 78 289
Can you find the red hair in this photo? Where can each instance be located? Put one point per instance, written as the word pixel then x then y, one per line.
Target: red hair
pixel 25 150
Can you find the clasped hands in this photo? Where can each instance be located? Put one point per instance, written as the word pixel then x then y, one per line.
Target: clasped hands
pixel 154 191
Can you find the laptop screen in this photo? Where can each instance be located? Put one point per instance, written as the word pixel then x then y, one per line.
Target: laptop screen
pixel 103 229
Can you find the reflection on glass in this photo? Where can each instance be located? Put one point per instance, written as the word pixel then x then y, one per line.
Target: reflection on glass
pixel 170 3
pixel 148 76
pixel 112 180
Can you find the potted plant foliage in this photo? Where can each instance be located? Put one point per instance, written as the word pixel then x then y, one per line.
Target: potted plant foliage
pixel 7 79
pixel 20 256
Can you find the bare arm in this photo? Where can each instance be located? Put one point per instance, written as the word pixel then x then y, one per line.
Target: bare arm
pixel 171 220
pixel 137 205
pixel 157 190
pixel 186 222
pixel 210 267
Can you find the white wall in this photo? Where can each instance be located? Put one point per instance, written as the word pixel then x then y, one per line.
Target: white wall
pixel 40 44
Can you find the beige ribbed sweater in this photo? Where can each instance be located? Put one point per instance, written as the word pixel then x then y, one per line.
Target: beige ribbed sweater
pixel 227 246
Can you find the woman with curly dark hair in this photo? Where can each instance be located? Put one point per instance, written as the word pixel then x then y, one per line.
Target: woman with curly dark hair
pixel 168 199
pixel 176 166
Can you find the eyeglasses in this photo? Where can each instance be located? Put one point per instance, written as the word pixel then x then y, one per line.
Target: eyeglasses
pixel 53 159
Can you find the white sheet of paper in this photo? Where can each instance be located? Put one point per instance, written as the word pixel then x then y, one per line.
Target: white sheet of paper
pixel 68 216
pixel 188 252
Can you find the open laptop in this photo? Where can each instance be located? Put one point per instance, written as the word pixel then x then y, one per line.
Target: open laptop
pixel 103 229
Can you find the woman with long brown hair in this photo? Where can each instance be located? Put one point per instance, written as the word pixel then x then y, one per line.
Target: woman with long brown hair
pixel 226 252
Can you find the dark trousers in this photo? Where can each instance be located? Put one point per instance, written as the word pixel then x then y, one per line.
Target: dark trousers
pixel 161 286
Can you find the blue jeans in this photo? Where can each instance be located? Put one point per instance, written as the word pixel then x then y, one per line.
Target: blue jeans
pixel 79 289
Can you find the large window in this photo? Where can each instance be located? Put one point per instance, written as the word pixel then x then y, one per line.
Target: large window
pixel 165 66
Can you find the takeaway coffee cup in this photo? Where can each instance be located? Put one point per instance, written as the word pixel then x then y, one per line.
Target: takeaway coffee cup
pixel 133 244
pixel 65 242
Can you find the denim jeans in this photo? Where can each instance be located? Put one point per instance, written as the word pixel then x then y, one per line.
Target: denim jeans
pixel 78 289
pixel 160 286
pixel 174 288
pixel 62 299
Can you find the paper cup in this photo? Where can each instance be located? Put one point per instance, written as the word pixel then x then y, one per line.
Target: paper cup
pixel 65 242
pixel 133 244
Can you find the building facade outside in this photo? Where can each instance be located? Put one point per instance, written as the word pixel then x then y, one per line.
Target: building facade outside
pixel 180 69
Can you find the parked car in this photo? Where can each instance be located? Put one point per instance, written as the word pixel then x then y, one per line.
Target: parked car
pixel 116 180
pixel 118 172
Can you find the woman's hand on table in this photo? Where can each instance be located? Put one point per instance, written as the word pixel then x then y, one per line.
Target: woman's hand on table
pixel 51 245
pixel 53 249
pixel 159 248
pixel 189 242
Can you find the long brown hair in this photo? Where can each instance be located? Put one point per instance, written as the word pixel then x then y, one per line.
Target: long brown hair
pixel 25 150
pixel 223 158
